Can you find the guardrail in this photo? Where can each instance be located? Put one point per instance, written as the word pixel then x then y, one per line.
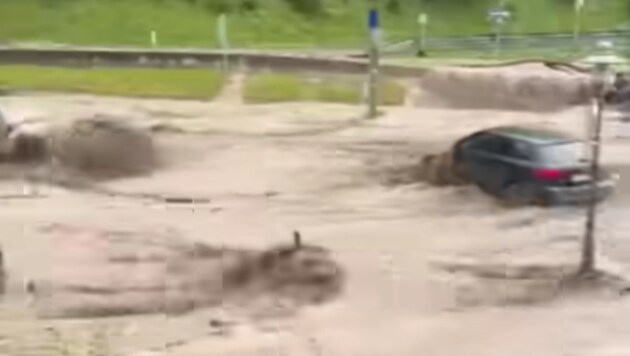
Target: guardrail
pixel 338 61
pixel 559 41
pixel 556 41
pixel 187 58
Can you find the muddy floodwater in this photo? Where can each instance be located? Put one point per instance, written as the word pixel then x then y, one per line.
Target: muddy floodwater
pixel 427 270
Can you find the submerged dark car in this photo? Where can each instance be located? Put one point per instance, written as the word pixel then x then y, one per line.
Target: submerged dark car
pixel 529 165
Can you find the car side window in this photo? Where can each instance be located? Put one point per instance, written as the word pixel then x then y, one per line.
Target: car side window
pixel 501 145
pixel 520 150
pixel 487 143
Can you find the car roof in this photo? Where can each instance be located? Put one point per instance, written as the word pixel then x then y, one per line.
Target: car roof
pixel 533 135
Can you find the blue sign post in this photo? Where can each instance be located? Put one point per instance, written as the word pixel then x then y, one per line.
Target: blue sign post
pixel 373 75
pixel 373 19
pixel 373 25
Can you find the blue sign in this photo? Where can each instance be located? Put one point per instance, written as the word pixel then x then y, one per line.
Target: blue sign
pixel 373 19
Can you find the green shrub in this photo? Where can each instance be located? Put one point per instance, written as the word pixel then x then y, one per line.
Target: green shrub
pixel 271 87
pixel 170 83
pixel 392 93
pixel 307 7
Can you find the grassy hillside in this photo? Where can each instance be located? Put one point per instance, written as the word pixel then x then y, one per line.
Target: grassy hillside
pixel 269 23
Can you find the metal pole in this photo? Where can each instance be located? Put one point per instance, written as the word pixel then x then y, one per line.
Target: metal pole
pixel 222 34
pixel 587 265
pixel 373 86
pixel 576 28
pixel 589 122
pixel 423 36
pixel 577 18
pixel 225 61
pixel 418 36
pixel 497 40
pixel 373 74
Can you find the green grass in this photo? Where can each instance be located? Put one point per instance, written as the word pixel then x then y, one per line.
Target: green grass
pixel 274 24
pixel 170 83
pixel 192 84
pixel 392 93
pixel 275 87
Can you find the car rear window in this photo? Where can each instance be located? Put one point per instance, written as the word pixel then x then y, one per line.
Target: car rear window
pixel 561 153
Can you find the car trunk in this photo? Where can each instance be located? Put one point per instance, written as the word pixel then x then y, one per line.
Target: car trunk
pixel 567 175
pixel 563 165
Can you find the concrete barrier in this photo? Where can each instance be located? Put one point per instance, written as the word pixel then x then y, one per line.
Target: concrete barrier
pixel 161 58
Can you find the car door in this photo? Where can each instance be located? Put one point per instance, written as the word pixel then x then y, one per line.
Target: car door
pixel 485 161
pixel 518 156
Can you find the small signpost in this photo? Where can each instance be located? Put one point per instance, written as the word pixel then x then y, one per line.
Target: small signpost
pixel 498 17
pixel 154 39
pixel 578 6
pixel 373 75
pixel 423 21
pixel 222 38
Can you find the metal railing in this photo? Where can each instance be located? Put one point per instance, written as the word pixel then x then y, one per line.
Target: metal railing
pixel 558 41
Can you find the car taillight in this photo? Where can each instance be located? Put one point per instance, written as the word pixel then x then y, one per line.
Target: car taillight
pixel 550 174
